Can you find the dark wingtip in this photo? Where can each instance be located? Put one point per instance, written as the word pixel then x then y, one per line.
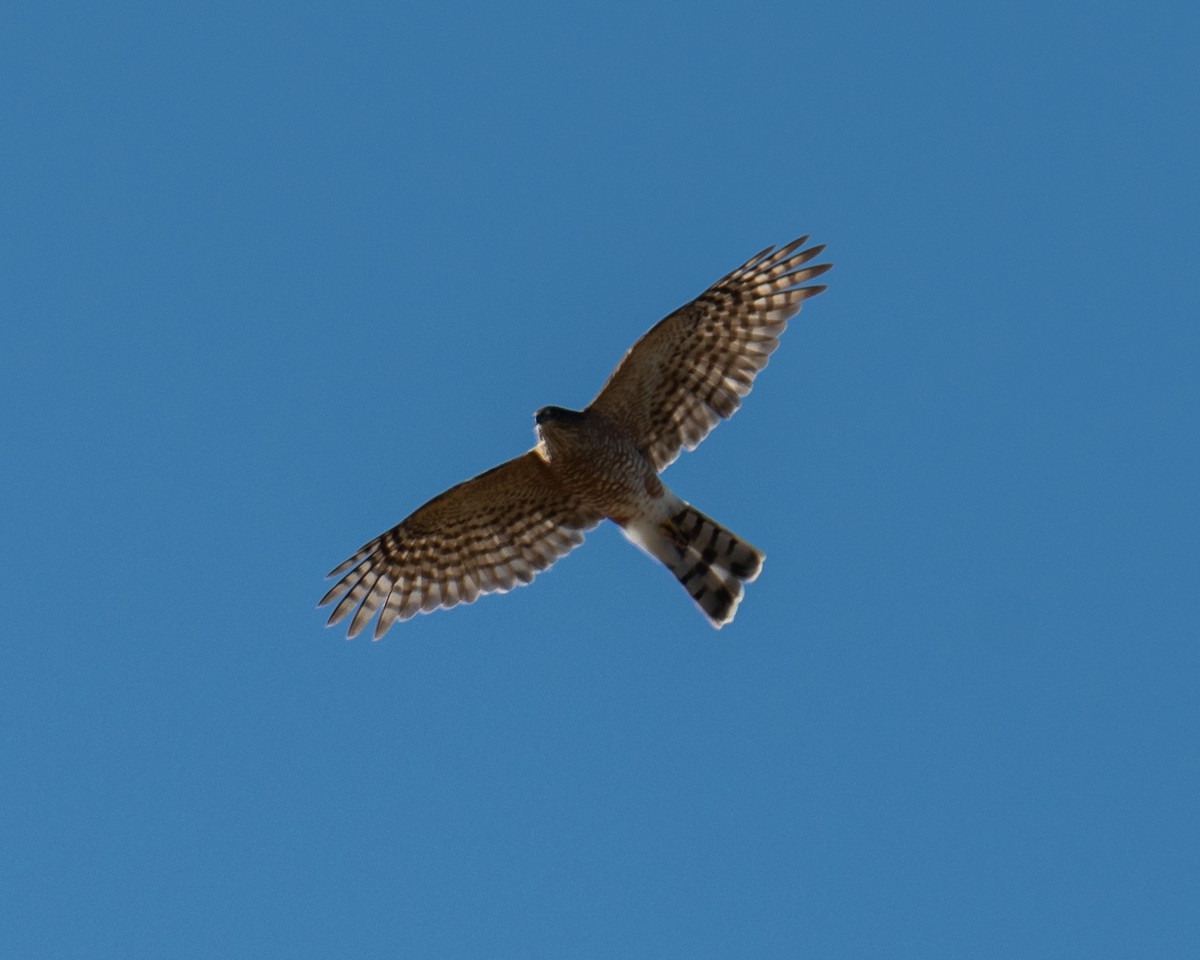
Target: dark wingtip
pixel 787 248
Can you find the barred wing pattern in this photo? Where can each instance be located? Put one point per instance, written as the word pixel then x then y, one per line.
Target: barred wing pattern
pixel 693 367
pixel 487 535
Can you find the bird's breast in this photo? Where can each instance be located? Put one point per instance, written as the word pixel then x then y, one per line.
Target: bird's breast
pixel 603 467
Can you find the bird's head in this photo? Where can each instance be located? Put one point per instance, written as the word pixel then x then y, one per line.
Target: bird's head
pixel 556 415
pixel 554 426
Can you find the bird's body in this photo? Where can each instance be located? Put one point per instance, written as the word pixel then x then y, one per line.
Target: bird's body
pixel 625 488
pixel 619 486
pixel 503 526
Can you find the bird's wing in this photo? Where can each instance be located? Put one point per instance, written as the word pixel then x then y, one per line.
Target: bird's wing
pixel 485 535
pixel 692 368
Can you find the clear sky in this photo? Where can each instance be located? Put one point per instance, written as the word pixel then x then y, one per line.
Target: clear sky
pixel 273 275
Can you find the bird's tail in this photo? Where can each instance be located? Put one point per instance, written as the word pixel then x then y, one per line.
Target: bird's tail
pixel 710 562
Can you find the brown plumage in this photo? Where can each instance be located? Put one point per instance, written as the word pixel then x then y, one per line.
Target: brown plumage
pixel 499 529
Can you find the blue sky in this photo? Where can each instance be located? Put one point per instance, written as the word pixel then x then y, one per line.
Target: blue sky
pixel 272 275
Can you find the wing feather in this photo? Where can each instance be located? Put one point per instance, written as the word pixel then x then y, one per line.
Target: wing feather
pixel 485 535
pixel 691 369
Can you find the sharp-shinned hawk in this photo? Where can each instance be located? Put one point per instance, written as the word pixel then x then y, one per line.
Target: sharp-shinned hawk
pixel 499 529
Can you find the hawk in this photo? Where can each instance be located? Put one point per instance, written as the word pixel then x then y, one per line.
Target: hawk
pixel 499 529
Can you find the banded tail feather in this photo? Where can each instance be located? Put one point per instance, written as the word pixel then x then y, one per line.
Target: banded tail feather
pixel 709 561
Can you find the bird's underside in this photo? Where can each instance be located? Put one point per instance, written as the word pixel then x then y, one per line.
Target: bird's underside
pixel 499 529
